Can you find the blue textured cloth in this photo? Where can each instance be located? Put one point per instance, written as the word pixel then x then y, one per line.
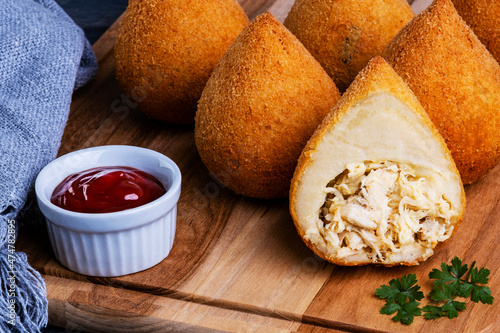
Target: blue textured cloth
pixel 44 56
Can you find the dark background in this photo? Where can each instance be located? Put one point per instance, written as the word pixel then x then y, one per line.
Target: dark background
pixel 94 17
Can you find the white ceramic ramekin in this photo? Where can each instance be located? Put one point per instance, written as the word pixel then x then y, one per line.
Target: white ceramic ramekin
pixel 118 243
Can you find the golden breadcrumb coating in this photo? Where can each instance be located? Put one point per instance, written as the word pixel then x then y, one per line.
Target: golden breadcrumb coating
pixel 166 50
pixel 378 125
pixel 483 16
pixel 343 35
pixel 457 81
pixel 260 106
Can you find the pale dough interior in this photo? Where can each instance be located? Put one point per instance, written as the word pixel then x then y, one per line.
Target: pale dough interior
pixel 406 166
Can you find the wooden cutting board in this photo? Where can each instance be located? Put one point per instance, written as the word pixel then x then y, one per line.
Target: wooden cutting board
pixel 237 263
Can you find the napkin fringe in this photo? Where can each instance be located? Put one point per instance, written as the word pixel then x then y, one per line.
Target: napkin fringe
pixel 23 298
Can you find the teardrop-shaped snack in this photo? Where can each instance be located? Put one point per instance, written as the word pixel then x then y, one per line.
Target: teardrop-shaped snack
pixel 166 50
pixel 376 183
pixel 263 101
pixel 456 80
pixel 343 35
pixel 483 17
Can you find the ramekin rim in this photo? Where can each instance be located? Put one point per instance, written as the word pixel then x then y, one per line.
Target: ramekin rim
pixel 167 201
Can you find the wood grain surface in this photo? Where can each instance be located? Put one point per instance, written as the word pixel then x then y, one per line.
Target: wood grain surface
pixel 237 264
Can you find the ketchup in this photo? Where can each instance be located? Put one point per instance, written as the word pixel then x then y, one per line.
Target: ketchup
pixel 107 189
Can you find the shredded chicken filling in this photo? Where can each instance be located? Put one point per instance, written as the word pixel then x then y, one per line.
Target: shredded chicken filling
pixel 380 208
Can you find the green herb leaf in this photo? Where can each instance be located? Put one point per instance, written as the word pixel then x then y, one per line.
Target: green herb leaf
pixel 480 276
pixel 401 290
pixel 465 290
pixel 442 276
pixel 457 269
pixel 443 293
pixel 387 292
pixel 406 312
pixel 452 307
pixel 449 274
pixel 401 296
pixel 390 307
pixel 481 294
pixel 432 312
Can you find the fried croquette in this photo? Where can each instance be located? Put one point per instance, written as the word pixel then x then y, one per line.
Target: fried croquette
pixel 263 101
pixel 166 50
pixel 343 35
pixel 376 183
pixel 457 81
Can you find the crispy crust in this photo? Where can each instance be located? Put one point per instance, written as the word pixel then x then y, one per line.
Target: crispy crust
pixel 377 77
pixel 260 106
pixel 344 35
pixel 483 16
pixel 166 50
pixel 457 81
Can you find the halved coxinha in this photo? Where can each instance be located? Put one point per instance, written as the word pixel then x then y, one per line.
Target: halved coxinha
pixel 376 183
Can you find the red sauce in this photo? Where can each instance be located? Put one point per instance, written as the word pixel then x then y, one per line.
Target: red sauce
pixel 107 189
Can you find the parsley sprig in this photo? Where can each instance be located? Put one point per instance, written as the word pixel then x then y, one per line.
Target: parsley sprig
pixel 452 281
pixel 401 296
pixel 457 280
